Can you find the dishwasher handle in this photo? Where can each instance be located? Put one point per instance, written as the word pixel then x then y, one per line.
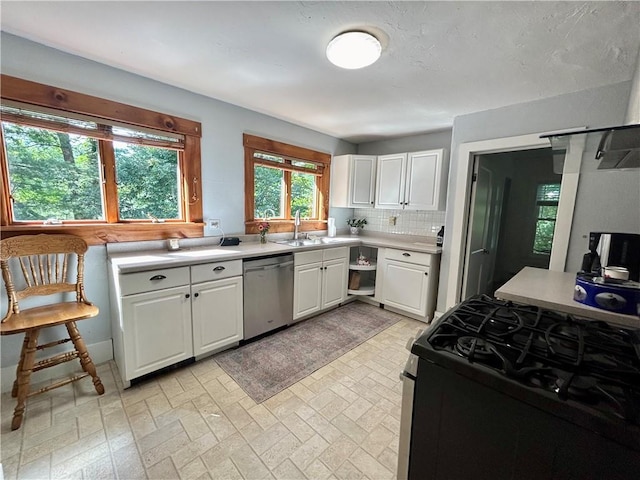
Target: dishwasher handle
pixel 268 267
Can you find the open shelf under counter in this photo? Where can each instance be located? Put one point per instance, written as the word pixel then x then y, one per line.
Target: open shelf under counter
pixel 364 290
pixel 355 266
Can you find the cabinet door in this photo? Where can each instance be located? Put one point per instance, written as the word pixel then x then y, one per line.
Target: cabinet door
pixel 391 174
pixel 217 314
pixel 307 290
pixel 334 282
pixel 363 180
pixel 423 180
pixel 405 287
pixel 157 330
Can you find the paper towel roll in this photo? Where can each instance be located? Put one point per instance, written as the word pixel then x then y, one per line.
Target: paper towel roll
pixel 331 227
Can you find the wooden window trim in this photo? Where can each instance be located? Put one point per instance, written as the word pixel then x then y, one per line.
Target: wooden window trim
pixel 254 144
pixel 95 233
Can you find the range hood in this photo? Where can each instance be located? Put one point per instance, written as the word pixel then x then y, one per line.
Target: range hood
pixel 615 147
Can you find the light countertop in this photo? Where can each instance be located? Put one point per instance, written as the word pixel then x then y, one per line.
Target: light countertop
pixel 136 261
pixel 554 290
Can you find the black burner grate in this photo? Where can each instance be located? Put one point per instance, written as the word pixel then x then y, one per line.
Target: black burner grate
pixel 591 362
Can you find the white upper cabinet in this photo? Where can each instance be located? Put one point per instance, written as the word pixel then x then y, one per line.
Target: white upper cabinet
pixel 353 181
pixel 391 179
pixel 411 181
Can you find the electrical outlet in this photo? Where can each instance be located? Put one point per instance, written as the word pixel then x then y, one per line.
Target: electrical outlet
pixel 214 223
pixel 392 220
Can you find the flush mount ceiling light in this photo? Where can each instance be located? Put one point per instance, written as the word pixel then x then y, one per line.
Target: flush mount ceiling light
pixel 354 50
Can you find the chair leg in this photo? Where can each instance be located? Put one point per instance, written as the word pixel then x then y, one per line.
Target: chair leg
pixel 14 390
pixel 85 359
pixel 26 365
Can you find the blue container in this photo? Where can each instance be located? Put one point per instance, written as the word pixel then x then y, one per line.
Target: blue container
pixel 620 297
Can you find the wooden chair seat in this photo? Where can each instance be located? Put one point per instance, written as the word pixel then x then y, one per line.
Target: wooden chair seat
pixel 41 262
pixel 47 316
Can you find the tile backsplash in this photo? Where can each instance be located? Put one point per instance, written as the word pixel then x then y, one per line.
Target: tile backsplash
pixel 407 222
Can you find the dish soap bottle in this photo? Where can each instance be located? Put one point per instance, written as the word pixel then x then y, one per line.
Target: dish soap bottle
pixel 440 237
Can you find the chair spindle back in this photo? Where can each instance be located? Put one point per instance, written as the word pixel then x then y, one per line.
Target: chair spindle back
pixel 45 263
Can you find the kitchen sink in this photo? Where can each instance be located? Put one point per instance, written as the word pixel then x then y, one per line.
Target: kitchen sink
pixel 316 241
pixel 299 243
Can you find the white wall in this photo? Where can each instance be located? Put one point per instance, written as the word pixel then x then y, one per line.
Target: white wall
pixel 410 143
pixel 633 110
pixel 222 151
pixel 598 107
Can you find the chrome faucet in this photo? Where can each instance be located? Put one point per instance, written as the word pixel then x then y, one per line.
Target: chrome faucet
pixel 296 224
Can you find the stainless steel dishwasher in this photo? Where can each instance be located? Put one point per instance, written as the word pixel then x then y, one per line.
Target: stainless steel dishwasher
pixel 268 294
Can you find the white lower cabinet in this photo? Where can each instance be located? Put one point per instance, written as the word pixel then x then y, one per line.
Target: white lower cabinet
pixel 307 289
pixel 409 282
pixel 217 314
pixel 406 287
pixel 162 318
pixel 334 282
pixel 320 280
pixel 157 331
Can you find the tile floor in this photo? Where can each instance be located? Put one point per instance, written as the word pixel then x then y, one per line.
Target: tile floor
pixel 195 422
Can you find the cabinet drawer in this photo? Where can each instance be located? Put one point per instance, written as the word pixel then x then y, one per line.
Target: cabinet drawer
pixel 215 271
pixel 334 253
pixel 305 258
pixel 151 280
pixel 408 256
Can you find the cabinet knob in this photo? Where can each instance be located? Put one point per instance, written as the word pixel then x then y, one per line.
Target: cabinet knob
pixel 405 254
pixel 196 295
pixel 157 277
pixel 218 269
pixel 187 296
pixel 426 274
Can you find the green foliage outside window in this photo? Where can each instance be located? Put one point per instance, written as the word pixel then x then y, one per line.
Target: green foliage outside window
pixel 52 175
pixel 57 175
pixel 270 189
pixel 147 182
pixel 268 192
pixel 303 194
pixel 547 197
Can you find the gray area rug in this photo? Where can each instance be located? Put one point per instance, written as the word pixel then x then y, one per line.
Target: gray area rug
pixel 273 363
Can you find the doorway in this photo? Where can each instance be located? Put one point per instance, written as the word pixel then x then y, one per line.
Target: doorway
pixel 512 213
pixel 461 170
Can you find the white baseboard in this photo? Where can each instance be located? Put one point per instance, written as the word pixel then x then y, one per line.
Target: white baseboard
pixel 406 314
pixel 100 352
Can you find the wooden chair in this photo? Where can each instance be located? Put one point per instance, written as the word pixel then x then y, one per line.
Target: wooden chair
pixel 43 264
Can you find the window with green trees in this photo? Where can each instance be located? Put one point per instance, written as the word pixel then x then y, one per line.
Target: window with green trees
pixel 547 198
pixel 272 187
pixel 56 176
pixel 72 163
pixel 281 180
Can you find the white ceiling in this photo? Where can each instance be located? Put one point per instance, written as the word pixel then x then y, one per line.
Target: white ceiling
pixel 439 59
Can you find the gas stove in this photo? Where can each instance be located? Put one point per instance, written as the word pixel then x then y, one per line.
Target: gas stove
pixel 581 371
pixel 589 362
